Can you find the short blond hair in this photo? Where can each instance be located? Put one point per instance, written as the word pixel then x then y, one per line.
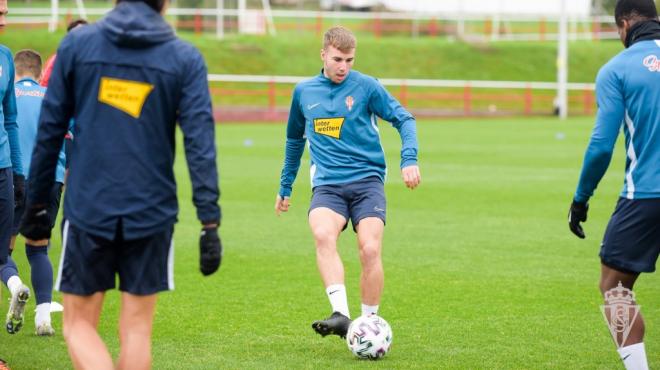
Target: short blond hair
pixel 339 37
pixel 28 63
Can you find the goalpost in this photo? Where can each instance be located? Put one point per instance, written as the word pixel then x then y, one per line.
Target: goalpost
pixel 55 13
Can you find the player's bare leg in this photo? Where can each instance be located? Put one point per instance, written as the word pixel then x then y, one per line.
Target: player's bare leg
pixel 370 240
pixel 326 225
pixel 632 352
pixel 80 321
pixel 135 326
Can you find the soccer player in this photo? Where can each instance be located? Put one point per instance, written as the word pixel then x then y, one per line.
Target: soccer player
pixel 628 92
pixel 29 96
pixel 11 183
pixel 336 111
pixel 126 80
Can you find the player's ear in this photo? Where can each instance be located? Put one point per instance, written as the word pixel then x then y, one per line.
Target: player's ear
pixel 322 54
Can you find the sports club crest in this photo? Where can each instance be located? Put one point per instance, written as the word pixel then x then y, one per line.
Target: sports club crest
pixel 652 62
pixel 0 71
pixel 349 102
pixel 620 313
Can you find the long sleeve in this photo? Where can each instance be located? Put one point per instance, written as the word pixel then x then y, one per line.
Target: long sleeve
pixel 295 145
pixel 611 111
pixel 11 127
pixel 386 107
pixel 197 124
pixel 56 111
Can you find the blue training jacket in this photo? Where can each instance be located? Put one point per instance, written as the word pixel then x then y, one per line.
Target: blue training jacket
pixel 628 95
pixel 29 95
pixel 339 120
pixel 127 80
pixel 10 151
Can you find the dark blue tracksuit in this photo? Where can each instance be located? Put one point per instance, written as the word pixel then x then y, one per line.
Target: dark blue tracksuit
pixel 126 81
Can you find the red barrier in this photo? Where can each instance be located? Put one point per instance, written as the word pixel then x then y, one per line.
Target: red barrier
pixel 272 92
pixel 260 101
pixel 467 100
pixel 528 100
pixel 198 23
pixel 588 100
pixel 595 30
pixel 377 26
pixel 403 94
pixel 319 25
pixel 433 27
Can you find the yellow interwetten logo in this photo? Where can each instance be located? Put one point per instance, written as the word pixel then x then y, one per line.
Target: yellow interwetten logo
pixel 329 126
pixel 127 96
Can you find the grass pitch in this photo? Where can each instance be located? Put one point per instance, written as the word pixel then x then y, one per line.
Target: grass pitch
pixel 481 270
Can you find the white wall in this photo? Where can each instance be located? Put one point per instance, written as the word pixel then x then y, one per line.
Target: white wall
pixel 512 7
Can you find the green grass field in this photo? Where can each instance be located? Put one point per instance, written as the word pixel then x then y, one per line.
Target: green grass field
pixel 481 270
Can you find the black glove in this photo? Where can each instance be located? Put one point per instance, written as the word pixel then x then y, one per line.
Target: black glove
pixel 210 250
pixel 19 190
pixel 35 224
pixel 576 214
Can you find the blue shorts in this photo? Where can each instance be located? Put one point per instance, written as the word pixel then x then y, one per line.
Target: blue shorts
pixel 53 207
pixel 6 211
pixel 354 200
pixel 89 263
pixel 632 238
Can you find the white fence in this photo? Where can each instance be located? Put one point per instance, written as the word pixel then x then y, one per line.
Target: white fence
pixel 485 27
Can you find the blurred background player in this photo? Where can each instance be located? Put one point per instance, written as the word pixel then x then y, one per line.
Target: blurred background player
pixel 45 77
pixel 336 111
pixel 628 93
pixel 50 62
pixel 29 96
pixel 12 183
pixel 120 205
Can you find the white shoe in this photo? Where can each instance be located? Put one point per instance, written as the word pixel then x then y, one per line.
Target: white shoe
pixel 45 330
pixel 14 320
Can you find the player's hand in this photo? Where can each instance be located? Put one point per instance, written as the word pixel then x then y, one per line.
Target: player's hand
pixel 411 176
pixel 576 214
pixel 210 250
pixel 19 190
pixel 281 204
pixel 35 224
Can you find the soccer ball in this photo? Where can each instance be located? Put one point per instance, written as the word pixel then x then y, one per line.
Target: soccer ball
pixel 369 337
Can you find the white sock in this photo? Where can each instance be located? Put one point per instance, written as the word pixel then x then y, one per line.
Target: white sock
pixel 43 314
pixel 337 296
pixel 369 310
pixel 634 357
pixel 14 284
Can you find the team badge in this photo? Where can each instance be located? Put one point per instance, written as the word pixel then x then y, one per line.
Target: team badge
pixel 652 62
pixel 620 313
pixel 329 126
pixel 0 71
pixel 349 102
pixel 125 95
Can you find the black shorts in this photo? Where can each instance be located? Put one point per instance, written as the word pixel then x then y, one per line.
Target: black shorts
pixel 354 200
pixel 89 263
pixel 632 238
pixel 53 207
